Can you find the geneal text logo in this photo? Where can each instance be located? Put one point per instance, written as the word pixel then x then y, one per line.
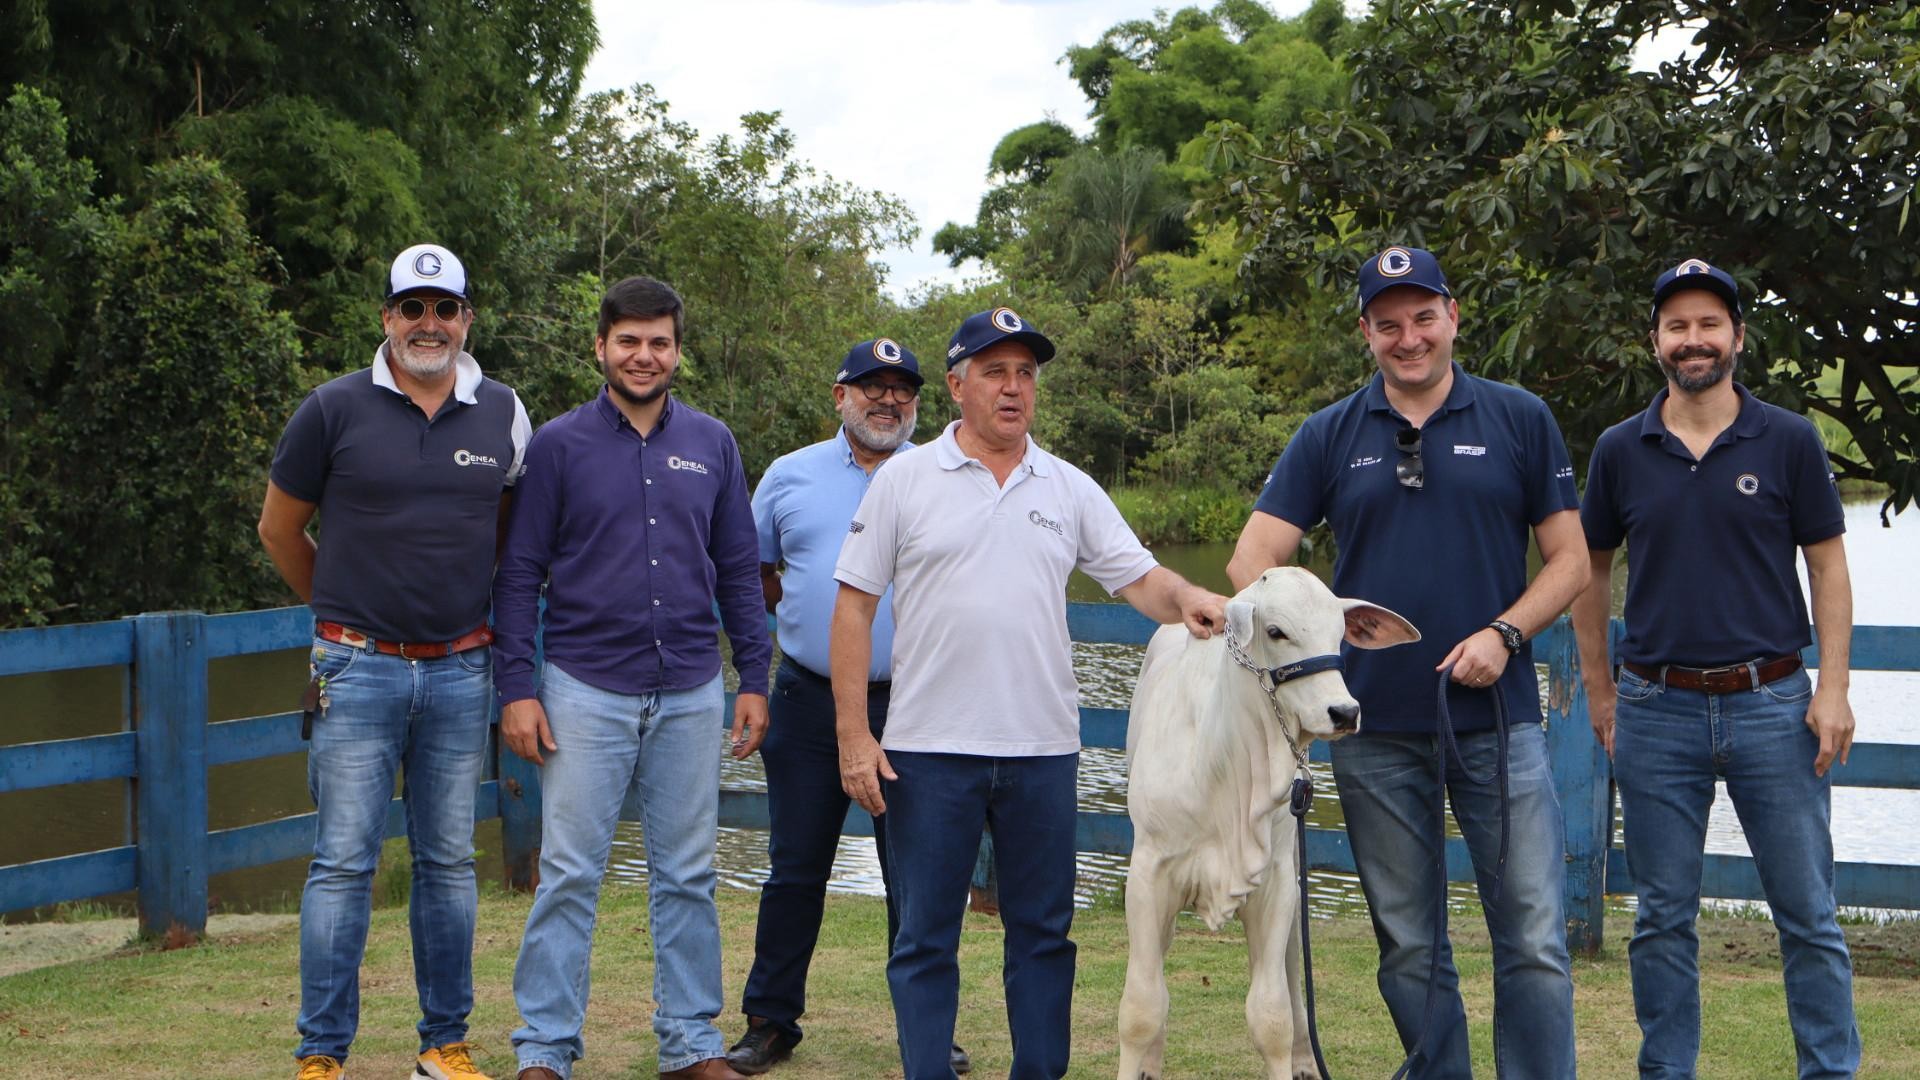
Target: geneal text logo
pixel 1045 522
pixel 463 458
pixel 686 465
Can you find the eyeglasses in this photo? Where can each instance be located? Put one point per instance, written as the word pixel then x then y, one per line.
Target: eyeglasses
pixel 413 309
pixel 879 391
pixel 1409 470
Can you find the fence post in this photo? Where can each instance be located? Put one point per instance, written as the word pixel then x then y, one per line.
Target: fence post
pixel 519 820
pixel 170 773
pixel 1583 776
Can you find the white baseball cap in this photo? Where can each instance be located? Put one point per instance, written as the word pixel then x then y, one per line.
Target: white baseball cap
pixel 427 266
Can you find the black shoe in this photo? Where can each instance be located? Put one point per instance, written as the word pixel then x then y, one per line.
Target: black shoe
pixel 763 1046
pixel 958 1058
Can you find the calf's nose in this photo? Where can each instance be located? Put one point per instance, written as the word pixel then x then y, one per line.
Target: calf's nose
pixel 1345 717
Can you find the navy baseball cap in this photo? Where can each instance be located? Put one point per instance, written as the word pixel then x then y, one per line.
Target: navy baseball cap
pixel 989 328
pixel 1696 274
pixel 880 354
pixel 426 266
pixel 1401 266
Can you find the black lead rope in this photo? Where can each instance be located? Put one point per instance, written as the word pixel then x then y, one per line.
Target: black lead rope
pixel 1446 745
pixel 1302 800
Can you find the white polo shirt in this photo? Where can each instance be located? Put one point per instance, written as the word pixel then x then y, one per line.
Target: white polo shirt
pixel 982 663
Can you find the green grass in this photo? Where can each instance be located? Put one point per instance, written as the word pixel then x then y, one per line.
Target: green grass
pixel 1169 514
pixel 226 1008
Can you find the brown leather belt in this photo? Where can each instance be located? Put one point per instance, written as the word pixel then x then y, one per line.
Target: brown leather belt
pixel 1719 680
pixel 406 650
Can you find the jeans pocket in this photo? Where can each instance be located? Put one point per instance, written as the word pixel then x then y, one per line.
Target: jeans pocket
pixel 1793 689
pixel 330 660
pixel 1632 687
pixel 478 660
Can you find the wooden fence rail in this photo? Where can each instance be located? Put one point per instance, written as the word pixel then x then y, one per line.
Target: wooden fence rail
pixel 167 746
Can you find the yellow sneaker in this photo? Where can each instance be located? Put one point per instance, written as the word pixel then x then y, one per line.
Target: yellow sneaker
pixel 320 1067
pixel 453 1061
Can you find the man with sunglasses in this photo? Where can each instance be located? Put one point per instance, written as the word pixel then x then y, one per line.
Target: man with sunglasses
pixel 1712 491
pixel 802 508
pixel 409 463
pixel 1433 480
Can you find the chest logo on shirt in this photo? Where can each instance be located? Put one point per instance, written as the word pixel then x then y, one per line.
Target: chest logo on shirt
pixel 1045 522
pixel 1748 484
pixel 464 458
pixel 1469 451
pixel 686 465
pixel 1360 462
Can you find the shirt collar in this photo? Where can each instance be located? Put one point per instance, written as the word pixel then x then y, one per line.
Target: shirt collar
pixel 947 451
pixel 1459 395
pixel 846 449
pixel 466 376
pixel 1751 422
pixel 603 404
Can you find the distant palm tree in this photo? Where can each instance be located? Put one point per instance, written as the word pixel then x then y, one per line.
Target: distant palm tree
pixel 1117 206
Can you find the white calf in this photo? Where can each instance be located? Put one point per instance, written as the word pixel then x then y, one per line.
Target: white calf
pixel 1212 747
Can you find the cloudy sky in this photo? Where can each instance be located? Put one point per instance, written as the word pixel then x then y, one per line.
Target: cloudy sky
pixel 905 96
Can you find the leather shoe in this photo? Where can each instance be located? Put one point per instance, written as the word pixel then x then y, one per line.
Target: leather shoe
pixel 764 1045
pixel 959 1060
pixel 711 1069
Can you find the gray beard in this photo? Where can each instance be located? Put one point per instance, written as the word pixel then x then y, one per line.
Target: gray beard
pixel 1693 384
pixel 862 432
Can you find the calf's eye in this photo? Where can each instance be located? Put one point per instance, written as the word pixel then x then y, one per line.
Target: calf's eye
pixel 1276 633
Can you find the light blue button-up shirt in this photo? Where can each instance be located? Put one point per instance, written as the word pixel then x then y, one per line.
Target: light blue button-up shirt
pixel 802 509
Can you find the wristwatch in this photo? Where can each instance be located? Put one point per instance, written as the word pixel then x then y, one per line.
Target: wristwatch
pixel 1510 635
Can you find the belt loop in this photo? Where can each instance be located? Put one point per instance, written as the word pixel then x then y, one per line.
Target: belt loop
pixel 366 644
pixel 1753 675
pixel 1663 675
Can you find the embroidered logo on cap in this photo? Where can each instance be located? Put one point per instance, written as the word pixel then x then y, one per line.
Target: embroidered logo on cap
pixel 1748 484
pixel 1691 266
pixel 426 264
pixel 887 350
pixel 1007 321
pixel 1396 262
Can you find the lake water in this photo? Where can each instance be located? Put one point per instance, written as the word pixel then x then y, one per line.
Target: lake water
pixel 1869 825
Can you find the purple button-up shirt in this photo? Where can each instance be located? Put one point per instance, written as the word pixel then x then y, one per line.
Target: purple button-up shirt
pixel 636 538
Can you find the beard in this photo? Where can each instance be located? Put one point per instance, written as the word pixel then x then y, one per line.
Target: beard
pixel 619 389
pixel 1694 382
pixel 862 430
pixel 423 367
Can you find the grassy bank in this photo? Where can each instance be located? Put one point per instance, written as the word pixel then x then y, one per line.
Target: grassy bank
pixel 226 1008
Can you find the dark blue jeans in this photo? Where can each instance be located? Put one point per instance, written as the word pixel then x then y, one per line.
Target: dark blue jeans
pixel 1670 745
pixel 807 809
pixel 935 811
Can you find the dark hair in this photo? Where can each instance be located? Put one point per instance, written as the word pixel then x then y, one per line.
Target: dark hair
pixel 642 298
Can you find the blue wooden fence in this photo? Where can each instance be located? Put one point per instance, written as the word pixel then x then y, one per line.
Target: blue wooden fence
pixel 168 745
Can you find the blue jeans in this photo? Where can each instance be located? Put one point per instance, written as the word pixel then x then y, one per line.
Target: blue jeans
pixel 935 812
pixel 426 720
pixel 663 748
pixel 1389 791
pixel 806 808
pixel 1669 747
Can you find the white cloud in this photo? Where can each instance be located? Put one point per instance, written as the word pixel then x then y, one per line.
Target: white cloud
pixel 908 98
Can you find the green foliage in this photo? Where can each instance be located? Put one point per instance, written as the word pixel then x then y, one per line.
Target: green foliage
pixel 1555 181
pixel 1169 514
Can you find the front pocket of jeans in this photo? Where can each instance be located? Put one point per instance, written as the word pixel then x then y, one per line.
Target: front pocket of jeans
pixel 1632 687
pixel 1792 690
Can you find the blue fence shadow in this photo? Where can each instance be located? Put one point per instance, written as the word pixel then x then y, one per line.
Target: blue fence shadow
pixel 167 746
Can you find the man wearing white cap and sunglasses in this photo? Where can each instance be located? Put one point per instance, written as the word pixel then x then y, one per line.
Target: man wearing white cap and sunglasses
pixel 409 463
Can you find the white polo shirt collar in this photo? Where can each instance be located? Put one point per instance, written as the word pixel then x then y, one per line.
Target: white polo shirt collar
pixel 947 452
pixel 466 375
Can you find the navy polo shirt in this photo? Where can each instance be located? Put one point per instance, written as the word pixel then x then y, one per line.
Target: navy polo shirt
pixel 636 537
pixel 409 508
pixel 1710 542
pixel 1451 556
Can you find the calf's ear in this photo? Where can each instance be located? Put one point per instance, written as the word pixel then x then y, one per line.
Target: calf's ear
pixel 1370 626
pixel 1240 622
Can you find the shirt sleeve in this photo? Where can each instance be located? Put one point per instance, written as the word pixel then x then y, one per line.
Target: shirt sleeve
pixel 1600 512
pixel 533 523
pixel 522 431
pixel 1109 552
pixel 1549 483
pixel 302 460
pixel 1296 489
pixel 1816 511
pixel 868 555
pixel 735 552
pixel 766 513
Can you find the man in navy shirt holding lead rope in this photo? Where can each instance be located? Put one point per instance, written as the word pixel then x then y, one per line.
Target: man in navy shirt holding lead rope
pixel 1432 480
pixel 1712 490
pixel 634 515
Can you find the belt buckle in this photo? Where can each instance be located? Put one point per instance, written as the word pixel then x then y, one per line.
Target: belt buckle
pixel 401 648
pixel 1736 671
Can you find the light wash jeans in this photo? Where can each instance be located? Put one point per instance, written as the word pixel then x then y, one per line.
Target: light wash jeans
pixel 664 749
pixel 1389 790
pixel 426 720
pixel 1669 747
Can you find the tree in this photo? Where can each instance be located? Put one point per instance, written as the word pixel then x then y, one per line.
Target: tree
pixel 1556 181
